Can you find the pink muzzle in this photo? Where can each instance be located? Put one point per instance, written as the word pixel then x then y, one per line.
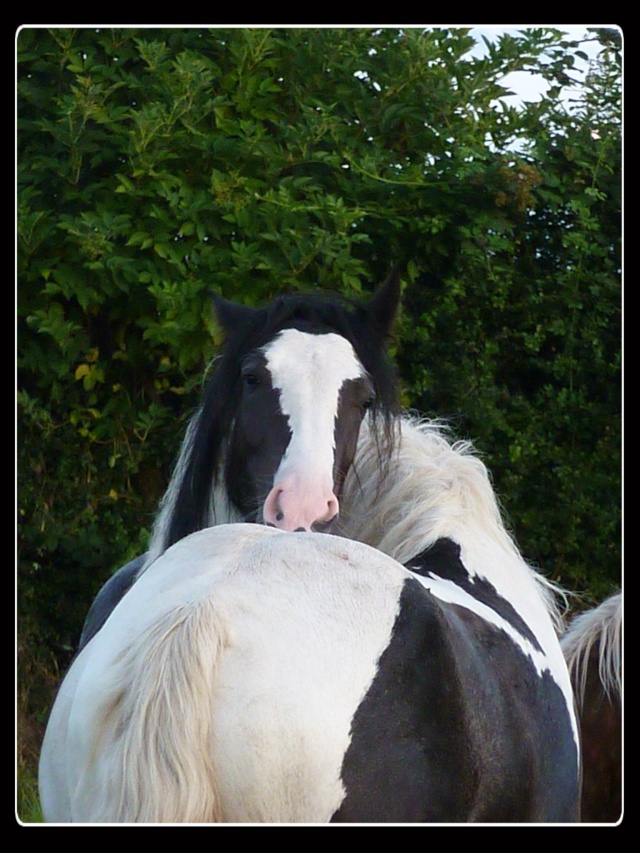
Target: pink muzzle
pixel 300 504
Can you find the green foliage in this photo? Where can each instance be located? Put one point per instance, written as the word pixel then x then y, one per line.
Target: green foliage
pixel 156 164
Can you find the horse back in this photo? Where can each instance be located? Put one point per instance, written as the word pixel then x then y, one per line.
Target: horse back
pixel 255 676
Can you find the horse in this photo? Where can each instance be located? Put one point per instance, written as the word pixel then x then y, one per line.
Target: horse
pixel 592 646
pixel 407 670
pixel 275 434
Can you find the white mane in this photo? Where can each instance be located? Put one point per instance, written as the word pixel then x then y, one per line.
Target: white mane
pixel 603 624
pixel 219 511
pixel 431 488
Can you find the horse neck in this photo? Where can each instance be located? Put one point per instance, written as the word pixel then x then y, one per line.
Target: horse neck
pixel 431 489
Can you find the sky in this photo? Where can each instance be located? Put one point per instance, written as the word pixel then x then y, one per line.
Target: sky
pixel 526 86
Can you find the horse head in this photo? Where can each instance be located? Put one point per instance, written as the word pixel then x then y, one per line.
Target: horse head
pixel 278 426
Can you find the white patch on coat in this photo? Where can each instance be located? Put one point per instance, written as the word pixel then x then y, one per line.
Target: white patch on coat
pixel 224 684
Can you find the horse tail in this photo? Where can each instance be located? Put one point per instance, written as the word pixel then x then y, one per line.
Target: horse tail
pixel 156 731
pixel 597 631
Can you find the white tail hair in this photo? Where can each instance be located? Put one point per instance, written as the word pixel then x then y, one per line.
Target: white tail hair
pixel 603 625
pixel 142 775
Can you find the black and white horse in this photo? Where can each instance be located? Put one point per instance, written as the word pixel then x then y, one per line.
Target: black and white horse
pixel 256 675
pixel 592 647
pixel 277 428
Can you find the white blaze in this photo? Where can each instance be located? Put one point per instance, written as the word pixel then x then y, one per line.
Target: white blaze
pixel 309 371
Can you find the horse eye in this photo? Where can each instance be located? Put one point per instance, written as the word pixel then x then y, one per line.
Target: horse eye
pixel 251 379
pixel 368 403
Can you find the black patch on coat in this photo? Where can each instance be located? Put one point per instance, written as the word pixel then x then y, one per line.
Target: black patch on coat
pixel 457 726
pixel 259 438
pixel 442 560
pixel 108 597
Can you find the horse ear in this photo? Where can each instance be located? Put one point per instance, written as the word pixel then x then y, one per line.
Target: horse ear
pixel 231 314
pixel 383 305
